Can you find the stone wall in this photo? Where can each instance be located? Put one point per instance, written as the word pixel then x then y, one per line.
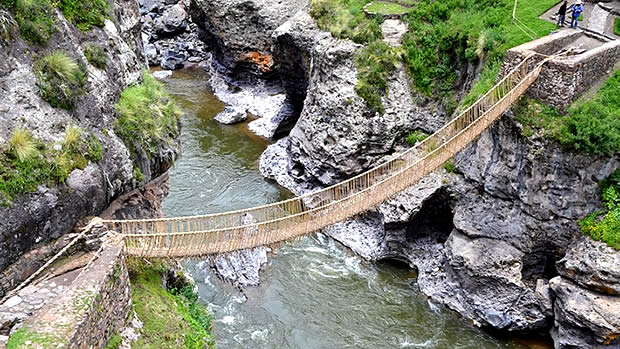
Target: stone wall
pixel 563 79
pixel 91 310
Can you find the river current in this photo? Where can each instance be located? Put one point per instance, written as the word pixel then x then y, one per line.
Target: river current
pixel 314 293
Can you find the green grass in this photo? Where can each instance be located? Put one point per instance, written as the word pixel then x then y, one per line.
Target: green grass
pixel 605 225
pixel 172 319
pixel 95 55
pixel 22 336
pixel 617 26
pixel 35 18
pixel 444 35
pixel 591 126
pixel 85 14
pixel 61 80
pixel 147 117
pixel 415 137
pixel 43 163
pixel 345 19
pixel 449 166
pixel 114 342
pixel 375 63
pixel 386 8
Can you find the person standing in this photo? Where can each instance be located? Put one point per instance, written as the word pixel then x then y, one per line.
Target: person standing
pixel 562 14
pixel 576 9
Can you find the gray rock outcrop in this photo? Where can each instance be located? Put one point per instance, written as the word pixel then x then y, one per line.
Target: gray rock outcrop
pixel 34 219
pixel 586 296
pixel 337 134
pixel 235 28
pixel 231 116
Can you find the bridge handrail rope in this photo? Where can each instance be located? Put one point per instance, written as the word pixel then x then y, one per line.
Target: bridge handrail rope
pixel 229 231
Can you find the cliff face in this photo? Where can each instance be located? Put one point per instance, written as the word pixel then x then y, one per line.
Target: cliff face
pixel 337 134
pixel 51 211
pixel 485 239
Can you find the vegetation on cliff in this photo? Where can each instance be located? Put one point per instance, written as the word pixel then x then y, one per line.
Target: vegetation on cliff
pixel 95 55
pixel 444 35
pixel 27 162
pixel 61 80
pixel 37 21
pixel 147 117
pixel 605 225
pixel 591 125
pixel 172 319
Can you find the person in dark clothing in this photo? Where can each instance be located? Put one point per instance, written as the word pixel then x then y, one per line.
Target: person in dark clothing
pixel 562 14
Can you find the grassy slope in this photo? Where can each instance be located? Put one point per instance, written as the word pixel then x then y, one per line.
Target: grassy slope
pixel 386 8
pixel 168 319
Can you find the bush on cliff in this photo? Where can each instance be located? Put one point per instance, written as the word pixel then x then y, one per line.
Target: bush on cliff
pixel 172 319
pixel 27 162
pixel 35 18
pixel 375 63
pixel 95 55
pixel 147 116
pixel 85 14
pixel 591 126
pixel 605 225
pixel 345 19
pixel 61 80
pixel 445 35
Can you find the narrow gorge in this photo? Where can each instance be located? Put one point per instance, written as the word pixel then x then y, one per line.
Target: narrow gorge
pixel 209 106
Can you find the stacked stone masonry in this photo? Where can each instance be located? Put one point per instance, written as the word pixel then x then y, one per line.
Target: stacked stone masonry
pixel 563 79
pixel 89 312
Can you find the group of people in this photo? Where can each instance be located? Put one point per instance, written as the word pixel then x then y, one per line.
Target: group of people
pixel 576 11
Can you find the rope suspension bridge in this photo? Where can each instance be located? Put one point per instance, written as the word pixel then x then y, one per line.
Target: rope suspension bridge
pixel 269 224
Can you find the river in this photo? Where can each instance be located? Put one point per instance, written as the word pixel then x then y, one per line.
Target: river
pixel 314 293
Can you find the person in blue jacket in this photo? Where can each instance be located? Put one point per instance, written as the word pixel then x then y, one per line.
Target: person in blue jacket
pixel 576 9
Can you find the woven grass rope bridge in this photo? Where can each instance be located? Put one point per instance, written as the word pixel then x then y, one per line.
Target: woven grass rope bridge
pixel 280 221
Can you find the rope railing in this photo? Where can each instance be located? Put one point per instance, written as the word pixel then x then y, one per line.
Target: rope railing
pixel 268 224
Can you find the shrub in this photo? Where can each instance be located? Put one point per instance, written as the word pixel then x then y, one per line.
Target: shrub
pixel 114 342
pixel 415 137
pixel 35 18
pixel 346 20
pixel 591 126
pixel 147 117
pixel 96 56
pixel 605 225
pixel 21 145
pixel 61 80
pixel 29 162
pixel 617 26
pixel 445 35
pixel 95 149
pixel 375 63
pixel 84 13
pixel 449 166
pixel 8 27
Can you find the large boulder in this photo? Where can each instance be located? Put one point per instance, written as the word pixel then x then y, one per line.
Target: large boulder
pixel 584 318
pixel 593 265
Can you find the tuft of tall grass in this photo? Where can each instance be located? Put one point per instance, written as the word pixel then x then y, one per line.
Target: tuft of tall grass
pixel 22 145
pixel 8 27
pixel 346 20
pixel 72 137
pixel 61 80
pixel 147 116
